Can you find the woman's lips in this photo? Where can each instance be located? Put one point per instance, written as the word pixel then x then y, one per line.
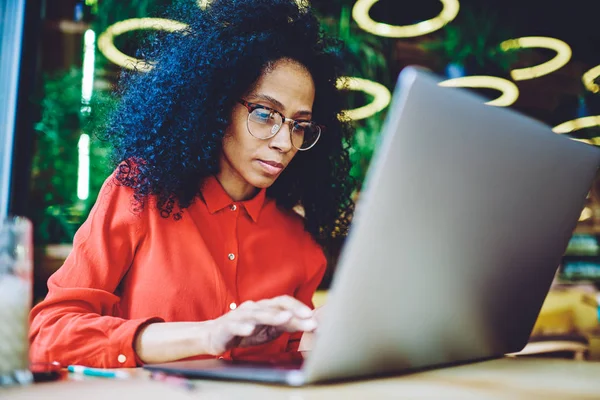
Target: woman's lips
pixel 271 167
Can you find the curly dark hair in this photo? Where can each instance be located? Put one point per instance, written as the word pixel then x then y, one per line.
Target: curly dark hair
pixel 168 127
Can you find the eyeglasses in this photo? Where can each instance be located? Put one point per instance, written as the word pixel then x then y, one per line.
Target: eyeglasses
pixel 264 123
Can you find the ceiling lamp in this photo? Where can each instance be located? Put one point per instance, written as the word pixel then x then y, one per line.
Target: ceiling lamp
pixel 589 78
pixel 360 13
pixel 563 55
pixel 510 91
pixel 381 96
pixel 107 46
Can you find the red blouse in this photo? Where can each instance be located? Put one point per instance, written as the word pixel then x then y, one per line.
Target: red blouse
pixel 130 268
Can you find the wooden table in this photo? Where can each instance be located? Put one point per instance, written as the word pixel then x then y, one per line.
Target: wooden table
pixel 508 378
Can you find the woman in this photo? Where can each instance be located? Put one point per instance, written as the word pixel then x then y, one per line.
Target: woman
pixel 193 248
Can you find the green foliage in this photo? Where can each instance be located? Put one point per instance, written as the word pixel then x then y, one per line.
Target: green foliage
pixel 366 57
pixel 54 207
pixel 54 169
pixel 111 11
pixel 473 41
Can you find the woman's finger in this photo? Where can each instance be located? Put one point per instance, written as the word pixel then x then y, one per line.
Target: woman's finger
pixel 241 328
pixel 268 316
pixel 299 325
pixel 275 317
pixel 289 303
pixel 261 315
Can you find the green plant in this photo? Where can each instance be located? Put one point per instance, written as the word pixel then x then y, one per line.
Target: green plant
pixel 54 207
pixel 365 56
pixel 111 11
pixel 473 42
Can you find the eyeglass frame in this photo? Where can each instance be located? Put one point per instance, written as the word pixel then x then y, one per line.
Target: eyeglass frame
pixel 253 106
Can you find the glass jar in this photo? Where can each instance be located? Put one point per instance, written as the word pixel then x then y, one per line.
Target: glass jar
pixel 16 281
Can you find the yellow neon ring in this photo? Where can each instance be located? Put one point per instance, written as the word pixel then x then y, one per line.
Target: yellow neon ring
pixel 205 3
pixel 360 13
pixel 586 214
pixel 107 46
pixel 577 124
pixel 589 78
pixel 510 91
pixel 563 55
pixel 381 96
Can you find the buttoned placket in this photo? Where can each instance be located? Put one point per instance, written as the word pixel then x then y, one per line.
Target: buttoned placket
pixel 232 256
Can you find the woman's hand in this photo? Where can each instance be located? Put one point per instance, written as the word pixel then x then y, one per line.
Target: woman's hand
pixel 251 324
pixel 256 323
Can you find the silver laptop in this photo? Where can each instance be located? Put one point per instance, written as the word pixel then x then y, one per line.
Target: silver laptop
pixel 461 225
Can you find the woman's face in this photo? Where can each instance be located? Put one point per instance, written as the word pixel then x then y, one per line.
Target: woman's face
pixel 248 163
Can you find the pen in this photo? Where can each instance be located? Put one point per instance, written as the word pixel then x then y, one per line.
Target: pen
pixel 102 373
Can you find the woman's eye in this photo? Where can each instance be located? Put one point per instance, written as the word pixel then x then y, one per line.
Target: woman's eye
pixel 300 126
pixel 261 115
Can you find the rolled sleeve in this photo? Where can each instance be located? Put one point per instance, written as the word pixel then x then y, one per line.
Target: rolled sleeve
pixel 121 352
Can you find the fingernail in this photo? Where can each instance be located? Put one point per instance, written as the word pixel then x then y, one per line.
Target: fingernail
pixel 309 324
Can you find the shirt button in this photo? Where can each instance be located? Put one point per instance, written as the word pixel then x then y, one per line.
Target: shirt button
pixel 233 306
pixel 231 256
pixel 233 207
pixel 122 358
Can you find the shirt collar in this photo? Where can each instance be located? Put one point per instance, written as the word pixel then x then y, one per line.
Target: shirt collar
pixel 216 199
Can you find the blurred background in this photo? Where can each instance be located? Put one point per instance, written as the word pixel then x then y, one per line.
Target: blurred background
pixel 539 57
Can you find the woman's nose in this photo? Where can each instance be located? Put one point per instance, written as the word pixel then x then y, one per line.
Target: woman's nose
pixel 282 141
